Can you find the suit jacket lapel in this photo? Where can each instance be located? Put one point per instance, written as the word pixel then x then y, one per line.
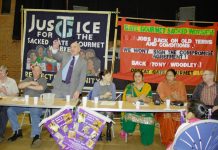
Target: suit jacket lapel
pixel 77 63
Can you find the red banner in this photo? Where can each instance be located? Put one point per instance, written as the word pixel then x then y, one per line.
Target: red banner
pixel 153 49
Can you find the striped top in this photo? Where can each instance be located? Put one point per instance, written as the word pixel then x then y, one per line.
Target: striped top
pixel 208 94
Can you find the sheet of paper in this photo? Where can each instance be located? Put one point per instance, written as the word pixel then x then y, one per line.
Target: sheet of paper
pixel 108 103
pixel 18 99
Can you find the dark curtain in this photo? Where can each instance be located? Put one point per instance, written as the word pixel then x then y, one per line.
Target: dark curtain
pixel 205 10
pixel 6 6
pixel 128 8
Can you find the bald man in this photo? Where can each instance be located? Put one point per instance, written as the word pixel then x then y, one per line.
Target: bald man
pixel 63 83
pixel 34 87
pixel 207 91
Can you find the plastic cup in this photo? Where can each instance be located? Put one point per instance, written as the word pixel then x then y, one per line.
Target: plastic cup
pixel 96 100
pixel 68 98
pixel 120 104
pixel 84 101
pixel 26 97
pixel 209 113
pixel 137 105
pixel 35 100
pixel 168 103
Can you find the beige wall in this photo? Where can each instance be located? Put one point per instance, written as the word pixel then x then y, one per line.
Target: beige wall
pixel 10 53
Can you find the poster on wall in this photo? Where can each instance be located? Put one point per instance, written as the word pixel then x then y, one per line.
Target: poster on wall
pixel 41 27
pixel 153 48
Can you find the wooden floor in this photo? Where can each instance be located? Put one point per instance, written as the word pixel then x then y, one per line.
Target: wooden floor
pixel 49 144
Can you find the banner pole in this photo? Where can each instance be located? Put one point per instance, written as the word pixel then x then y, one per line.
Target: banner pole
pixel 216 78
pixel 21 11
pixel 115 42
pixel 22 46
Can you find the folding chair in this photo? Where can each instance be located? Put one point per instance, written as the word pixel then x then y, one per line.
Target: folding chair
pixel 202 135
pixel 23 117
pixel 89 95
pixel 45 113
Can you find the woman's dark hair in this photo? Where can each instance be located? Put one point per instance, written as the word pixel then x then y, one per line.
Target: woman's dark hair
pixel 171 70
pixel 198 109
pixel 103 73
pixel 138 71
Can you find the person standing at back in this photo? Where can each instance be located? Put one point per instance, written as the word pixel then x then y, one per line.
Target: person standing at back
pixel 8 87
pixel 71 77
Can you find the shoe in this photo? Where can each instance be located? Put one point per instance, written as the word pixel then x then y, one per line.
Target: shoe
pixel 122 134
pixel 36 142
pixel 108 133
pixel 100 137
pixel 17 134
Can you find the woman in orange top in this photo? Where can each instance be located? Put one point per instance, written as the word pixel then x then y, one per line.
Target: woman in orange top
pixel 175 91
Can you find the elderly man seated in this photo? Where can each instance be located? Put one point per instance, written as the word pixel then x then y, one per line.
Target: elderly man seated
pixel 32 86
pixel 207 92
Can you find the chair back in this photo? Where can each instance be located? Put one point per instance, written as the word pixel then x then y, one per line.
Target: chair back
pixel 200 135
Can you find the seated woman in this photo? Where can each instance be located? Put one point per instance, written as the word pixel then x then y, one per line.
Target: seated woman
pixel 196 111
pixel 138 90
pixel 174 90
pixel 105 90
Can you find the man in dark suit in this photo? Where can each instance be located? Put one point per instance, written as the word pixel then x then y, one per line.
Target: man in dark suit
pixel 71 77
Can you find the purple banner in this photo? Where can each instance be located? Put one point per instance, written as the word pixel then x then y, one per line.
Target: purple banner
pixel 75 132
